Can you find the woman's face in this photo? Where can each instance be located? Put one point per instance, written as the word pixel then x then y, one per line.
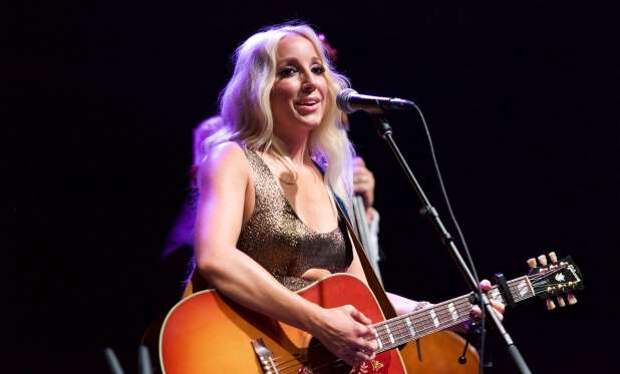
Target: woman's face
pixel 298 96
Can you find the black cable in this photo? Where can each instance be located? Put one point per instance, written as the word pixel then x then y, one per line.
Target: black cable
pixel 461 237
pixel 113 363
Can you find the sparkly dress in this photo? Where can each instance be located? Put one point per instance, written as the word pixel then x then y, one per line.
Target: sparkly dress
pixel 276 238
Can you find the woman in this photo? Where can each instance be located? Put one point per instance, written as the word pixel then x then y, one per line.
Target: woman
pixel 267 222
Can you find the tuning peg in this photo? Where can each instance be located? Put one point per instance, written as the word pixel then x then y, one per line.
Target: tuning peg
pixel 532 263
pixel 572 300
pixel 542 259
pixel 561 301
pixel 550 304
pixel 553 257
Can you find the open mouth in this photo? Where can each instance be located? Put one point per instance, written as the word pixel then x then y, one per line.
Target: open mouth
pixel 307 105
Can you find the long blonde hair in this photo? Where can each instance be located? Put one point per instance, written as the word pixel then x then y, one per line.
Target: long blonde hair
pixel 246 115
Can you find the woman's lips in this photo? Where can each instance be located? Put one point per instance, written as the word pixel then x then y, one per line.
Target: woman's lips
pixel 307 107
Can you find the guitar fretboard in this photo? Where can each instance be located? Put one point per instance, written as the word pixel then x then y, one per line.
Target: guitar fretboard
pixel 403 329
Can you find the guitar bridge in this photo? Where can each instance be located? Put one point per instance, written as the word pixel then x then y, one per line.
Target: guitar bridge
pixel 265 357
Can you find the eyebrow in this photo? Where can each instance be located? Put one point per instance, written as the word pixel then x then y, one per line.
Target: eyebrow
pixel 290 60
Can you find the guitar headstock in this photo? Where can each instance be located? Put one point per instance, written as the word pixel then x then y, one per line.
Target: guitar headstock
pixel 552 279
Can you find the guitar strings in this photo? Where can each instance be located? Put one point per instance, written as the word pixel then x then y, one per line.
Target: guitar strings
pixel 424 319
pixel 421 325
pixel 401 331
pixel 547 273
pixel 333 363
pixel 427 327
pixel 300 363
pixel 339 362
pixel 418 318
pixel 513 288
pixel 397 334
pixel 422 333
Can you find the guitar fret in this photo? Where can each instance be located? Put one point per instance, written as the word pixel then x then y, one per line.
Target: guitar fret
pixel 379 342
pixel 453 312
pixel 434 317
pixel 531 288
pixel 520 289
pixel 387 330
pixel 410 326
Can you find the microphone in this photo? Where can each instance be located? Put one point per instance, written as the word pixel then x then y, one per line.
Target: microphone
pixel 349 101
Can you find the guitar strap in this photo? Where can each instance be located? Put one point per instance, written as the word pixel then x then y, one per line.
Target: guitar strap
pixel 371 276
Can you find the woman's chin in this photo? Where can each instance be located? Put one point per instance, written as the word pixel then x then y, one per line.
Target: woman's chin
pixel 302 122
pixel 311 121
pixel 312 125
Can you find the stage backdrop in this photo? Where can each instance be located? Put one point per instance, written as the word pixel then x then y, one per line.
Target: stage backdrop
pixel 521 102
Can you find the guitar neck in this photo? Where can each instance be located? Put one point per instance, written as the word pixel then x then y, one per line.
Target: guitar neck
pixel 403 329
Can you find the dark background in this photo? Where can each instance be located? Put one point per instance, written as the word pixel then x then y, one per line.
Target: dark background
pixel 521 100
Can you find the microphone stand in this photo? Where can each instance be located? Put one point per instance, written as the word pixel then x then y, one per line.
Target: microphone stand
pixel 385 131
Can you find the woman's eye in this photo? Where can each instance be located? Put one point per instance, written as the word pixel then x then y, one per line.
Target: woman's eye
pixel 287 72
pixel 318 69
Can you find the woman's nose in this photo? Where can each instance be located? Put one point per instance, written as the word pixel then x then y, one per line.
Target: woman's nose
pixel 308 83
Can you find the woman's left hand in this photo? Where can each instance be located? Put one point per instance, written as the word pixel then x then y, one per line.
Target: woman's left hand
pixel 364 184
pixel 498 308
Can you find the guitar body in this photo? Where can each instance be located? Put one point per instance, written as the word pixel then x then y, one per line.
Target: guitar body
pixel 206 333
pixel 438 354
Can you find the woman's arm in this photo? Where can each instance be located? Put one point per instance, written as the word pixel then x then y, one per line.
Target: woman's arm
pixel 225 183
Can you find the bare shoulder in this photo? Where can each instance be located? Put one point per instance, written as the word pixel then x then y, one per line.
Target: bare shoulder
pixel 226 160
pixel 228 152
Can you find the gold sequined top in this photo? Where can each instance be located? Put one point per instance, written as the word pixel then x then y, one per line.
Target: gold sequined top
pixel 276 238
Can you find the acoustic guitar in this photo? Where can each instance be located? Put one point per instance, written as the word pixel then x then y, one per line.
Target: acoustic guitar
pixel 208 333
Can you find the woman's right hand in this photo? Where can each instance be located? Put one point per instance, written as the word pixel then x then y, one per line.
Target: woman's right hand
pixel 346 333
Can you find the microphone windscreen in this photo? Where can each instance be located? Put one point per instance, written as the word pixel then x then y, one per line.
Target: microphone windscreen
pixel 342 99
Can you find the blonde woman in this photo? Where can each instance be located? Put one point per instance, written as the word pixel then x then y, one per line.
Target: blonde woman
pixel 268 173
